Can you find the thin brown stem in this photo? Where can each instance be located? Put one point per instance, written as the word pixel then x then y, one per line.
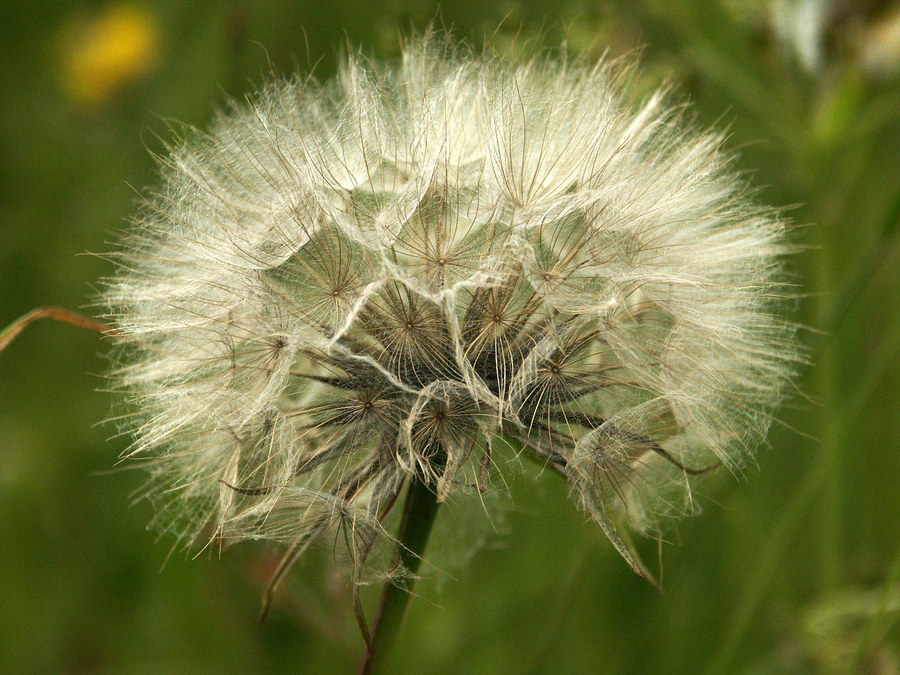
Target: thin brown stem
pixel 57 314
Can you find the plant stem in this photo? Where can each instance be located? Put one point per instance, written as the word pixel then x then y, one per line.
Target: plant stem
pixel 8 334
pixel 419 512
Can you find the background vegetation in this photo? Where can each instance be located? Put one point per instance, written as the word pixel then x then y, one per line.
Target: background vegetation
pixel 793 570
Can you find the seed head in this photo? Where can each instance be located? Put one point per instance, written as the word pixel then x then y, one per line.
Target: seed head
pixel 424 270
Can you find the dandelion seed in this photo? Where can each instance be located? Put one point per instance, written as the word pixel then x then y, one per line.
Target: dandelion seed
pixel 341 288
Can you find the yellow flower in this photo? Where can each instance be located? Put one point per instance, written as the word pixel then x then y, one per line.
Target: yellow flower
pixel 108 51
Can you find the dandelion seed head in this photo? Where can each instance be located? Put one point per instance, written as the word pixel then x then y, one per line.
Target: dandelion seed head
pixel 342 286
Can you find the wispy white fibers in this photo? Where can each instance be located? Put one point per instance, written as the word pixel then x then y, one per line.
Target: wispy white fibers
pixel 341 286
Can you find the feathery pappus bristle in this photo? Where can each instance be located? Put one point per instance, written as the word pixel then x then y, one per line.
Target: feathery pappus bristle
pixel 424 269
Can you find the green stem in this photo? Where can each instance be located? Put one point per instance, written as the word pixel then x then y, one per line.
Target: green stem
pixel 419 512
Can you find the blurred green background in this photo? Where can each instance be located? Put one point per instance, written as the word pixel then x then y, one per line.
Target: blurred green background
pixel 794 569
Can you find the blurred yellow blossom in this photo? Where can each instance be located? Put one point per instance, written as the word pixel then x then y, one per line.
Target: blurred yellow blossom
pixel 880 46
pixel 110 49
